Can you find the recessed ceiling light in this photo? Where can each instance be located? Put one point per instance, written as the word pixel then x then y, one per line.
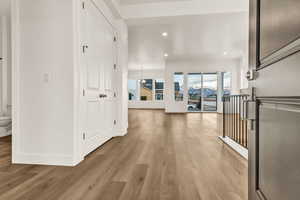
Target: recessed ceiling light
pixel 225 53
pixel 166 55
pixel 165 34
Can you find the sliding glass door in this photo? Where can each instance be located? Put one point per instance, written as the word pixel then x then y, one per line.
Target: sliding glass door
pixel 194 92
pixel 202 92
pixel 210 91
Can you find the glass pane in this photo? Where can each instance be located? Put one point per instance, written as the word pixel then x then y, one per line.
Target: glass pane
pixel 146 89
pixel 159 90
pixel 210 89
pixel 132 90
pixel 227 83
pixel 194 92
pixel 178 86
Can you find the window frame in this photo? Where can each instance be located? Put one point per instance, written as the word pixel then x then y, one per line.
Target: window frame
pixel 183 86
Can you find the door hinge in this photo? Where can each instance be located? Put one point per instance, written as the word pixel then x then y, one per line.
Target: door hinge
pixel 115 122
pixel 251 75
pixel 251 110
pixel 251 106
pixel 83 5
pixel 115 39
pixel 84 47
pixel 115 66
pixel 83 92
pixel 83 136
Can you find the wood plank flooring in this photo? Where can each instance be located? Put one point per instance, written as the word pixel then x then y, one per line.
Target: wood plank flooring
pixel 163 157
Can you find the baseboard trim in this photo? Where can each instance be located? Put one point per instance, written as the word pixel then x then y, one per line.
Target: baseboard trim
pixel 235 146
pixel 121 132
pixel 39 159
pixel 4 134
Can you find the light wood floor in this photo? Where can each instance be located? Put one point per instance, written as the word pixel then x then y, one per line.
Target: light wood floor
pixel 163 157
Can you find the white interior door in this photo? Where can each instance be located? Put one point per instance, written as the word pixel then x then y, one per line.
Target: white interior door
pixel 99 59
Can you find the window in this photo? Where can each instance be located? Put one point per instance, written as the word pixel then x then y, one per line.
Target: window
pixel 226 83
pixel 178 86
pixel 132 90
pixel 210 90
pixel 146 89
pixel 159 90
pixel 194 91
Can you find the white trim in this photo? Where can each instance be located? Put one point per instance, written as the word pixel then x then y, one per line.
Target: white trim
pixel 4 84
pixel 15 79
pixel 37 159
pixel 77 97
pixel 4 133
pixel 120 132
pixel 235 146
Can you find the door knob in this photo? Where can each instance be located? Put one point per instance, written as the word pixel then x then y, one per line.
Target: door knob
pixel 102 96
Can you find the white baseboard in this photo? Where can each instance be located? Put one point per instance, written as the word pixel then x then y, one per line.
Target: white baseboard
pixel 56 160
pixel 235 146
pixel 4 133
pixel 38 159
pixel 121 132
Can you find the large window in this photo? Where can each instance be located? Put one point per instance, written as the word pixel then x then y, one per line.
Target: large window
pixel 132 90
pixel 146 89
pixel 178 86
pixel 159 90
pixel 210 89
pixel 194 91
pixel 227 83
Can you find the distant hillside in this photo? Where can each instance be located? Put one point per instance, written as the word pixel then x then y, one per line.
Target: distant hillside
pixel 206 92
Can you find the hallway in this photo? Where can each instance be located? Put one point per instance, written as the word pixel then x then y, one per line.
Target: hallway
pixel 163 157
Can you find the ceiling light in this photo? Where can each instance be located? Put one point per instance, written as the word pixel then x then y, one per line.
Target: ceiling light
pixel 166 55
pixel 165 34
pixel 225 53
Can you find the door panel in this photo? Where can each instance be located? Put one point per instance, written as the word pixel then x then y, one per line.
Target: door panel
pixel 274 134
pixel 210 90
pixel 279 165
pixel 194 92
pixel 93 118
pixel 99 57
pixel 279 24
pixel 93 78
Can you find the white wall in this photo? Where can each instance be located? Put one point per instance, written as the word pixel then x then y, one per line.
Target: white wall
pixel 44 104
pixel 5 100
pixel 147 74
pixel 194 66
pixel 186 66
pixel 244 68
pixel 46 92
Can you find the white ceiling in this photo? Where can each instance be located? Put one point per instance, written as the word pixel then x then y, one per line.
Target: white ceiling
pixel 190 37
pixel 130 9
pixel 127 2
